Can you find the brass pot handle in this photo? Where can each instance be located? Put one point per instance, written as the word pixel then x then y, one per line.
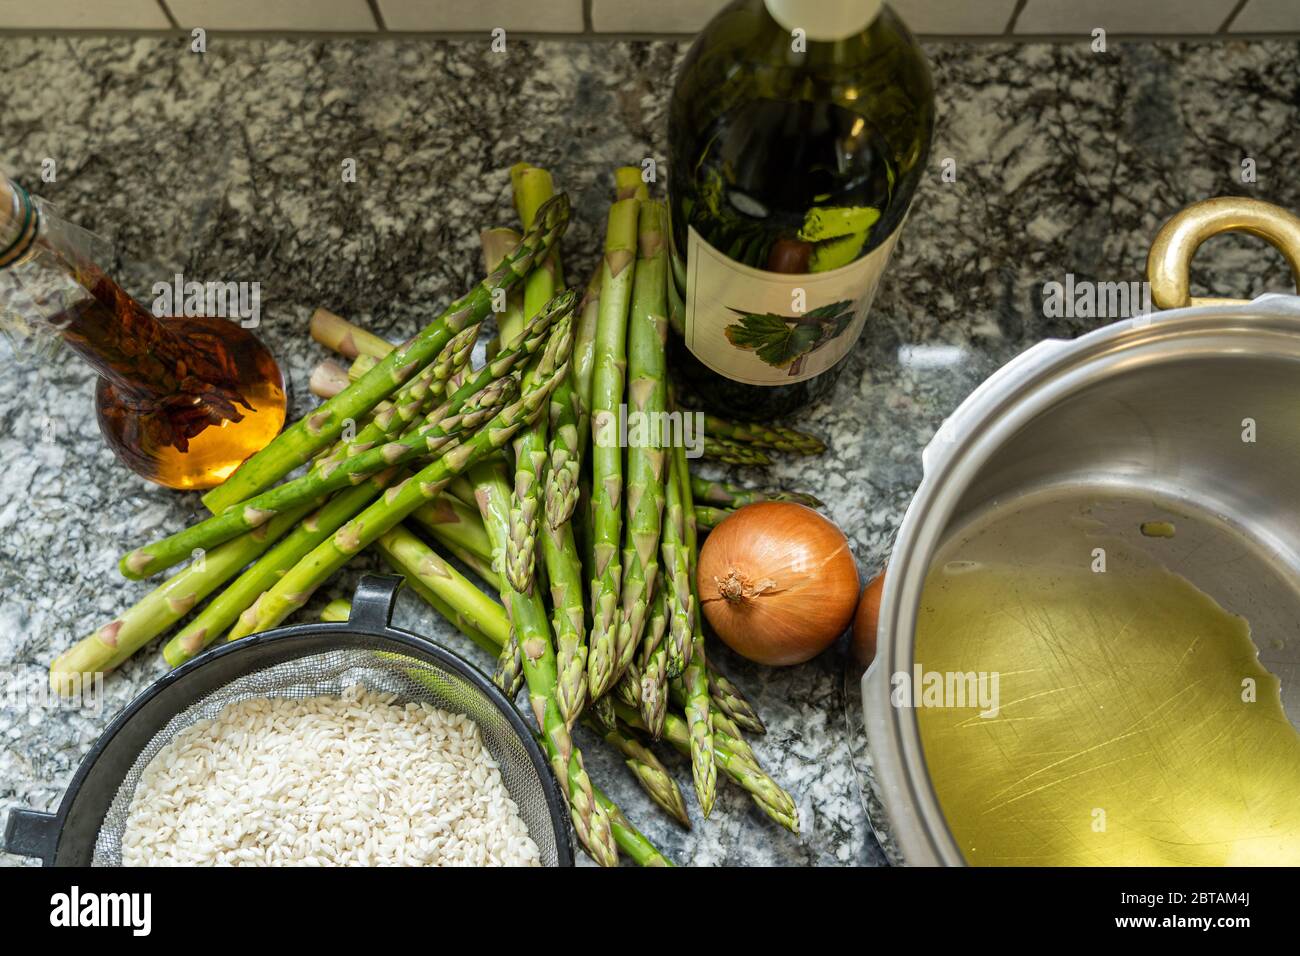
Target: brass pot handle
pixel 1169 263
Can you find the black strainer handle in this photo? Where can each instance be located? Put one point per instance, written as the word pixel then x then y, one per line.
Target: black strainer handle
pixel 373 602
pixel 33 834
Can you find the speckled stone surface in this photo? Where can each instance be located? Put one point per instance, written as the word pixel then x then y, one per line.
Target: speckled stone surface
pixel 227 166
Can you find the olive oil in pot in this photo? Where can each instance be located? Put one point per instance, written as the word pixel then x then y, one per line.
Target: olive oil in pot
pixel 1132 723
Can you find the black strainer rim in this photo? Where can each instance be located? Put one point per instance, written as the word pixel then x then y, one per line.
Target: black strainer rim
pixel 36 834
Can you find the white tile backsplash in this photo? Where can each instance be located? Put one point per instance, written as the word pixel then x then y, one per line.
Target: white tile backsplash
pixel 540 16
pixel 655 16
pixel 1124 16
pixel 964 17
pixel 1268 16
pixel 326 15
pixel 83 15
pixel 974 18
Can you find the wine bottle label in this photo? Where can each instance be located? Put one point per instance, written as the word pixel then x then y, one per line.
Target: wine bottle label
pixel 825 20
pixel 775 328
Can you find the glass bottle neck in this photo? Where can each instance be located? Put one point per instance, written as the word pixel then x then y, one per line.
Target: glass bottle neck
pixel 51 287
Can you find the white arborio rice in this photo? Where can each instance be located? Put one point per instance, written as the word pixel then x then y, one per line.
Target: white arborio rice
pixel 354 780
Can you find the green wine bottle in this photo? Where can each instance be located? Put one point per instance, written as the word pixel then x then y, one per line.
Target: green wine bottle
pixel 798 132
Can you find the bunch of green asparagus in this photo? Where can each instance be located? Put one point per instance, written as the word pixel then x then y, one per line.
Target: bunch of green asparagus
pixel 516 470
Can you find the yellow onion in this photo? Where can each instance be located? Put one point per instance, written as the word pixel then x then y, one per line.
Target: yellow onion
pixel 777 582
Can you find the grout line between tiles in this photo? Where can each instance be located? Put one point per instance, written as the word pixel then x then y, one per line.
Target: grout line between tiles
pixel 1232 15
pixel 162 4
pixel 1015 16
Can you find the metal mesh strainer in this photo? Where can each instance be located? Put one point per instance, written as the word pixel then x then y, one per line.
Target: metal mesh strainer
pixel 298 662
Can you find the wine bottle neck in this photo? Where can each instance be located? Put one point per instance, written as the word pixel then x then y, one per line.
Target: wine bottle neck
pixel 825 20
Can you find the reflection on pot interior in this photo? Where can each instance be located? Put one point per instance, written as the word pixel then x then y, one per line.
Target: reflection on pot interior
pixel 1137 725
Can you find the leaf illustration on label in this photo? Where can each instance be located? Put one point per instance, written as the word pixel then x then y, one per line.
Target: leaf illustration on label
pixel 774 340
pixel 782 340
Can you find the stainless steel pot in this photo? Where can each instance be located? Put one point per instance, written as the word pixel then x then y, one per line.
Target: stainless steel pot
pixel 1145 413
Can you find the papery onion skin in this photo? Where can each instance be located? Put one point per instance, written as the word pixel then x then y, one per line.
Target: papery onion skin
pixel 792 580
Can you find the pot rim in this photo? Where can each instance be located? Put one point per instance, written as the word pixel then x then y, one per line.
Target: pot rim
pixel 1004 403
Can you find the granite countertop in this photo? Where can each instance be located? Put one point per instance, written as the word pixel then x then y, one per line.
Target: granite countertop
pixel 227 167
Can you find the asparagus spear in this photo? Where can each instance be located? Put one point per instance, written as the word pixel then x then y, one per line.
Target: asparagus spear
pixel 630 840
pixel 528 621
pixel 734 453
pixel 328 378
pixel 728 699
pixel 432 576
pixel 497 244
pixel 560 555
pixel 338 334
pixel 225 609
pixel 676 307
pixel 584 353
pixel 452 521
pixel 725 495
pixel 570 417
pixel 162 607
pixel 628 688
pixel 340 609
pixel 463 490
pixel 766 437
pixel 602 711
pixel 678 266
pixel 450 421
pixel 695 675
pixel 606 454
pixel 479 565
pixel 509 671
pixel 294 589
pixel 361 365
pixel 564 572
pixel 709 517
pixel 532 187
pixel 654 668
pixel 681 606
pixel 533 452
pixel 647 397
pixel 583 372
pixel 630 184
pixel 565 462
pixel 304 438
pixel 725 729
pixel 646 767
pixel 771 799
